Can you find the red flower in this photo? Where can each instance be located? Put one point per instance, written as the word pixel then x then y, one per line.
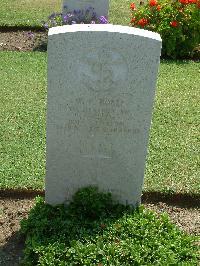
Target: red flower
pixel 192 1
pixel 133 20
pixel 174 24
pixel 153 2
pixel 184 2
pixel 142 22
pixel 132 6
pixel 158 7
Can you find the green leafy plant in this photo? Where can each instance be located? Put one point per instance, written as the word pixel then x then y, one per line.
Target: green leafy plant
pixel 90 203
pixel 113 235
pixel 177 21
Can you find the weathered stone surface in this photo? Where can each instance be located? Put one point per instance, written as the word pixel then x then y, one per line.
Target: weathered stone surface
pixel 100 6
pixel 101 87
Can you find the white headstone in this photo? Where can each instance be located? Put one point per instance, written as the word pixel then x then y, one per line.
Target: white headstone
pixel 101 87
pixel 100 6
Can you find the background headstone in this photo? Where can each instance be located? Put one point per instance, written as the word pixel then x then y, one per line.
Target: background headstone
pixel 100 6
pixel 101 87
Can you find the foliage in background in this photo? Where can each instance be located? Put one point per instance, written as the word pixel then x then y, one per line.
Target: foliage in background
pixel 177 21
pixel 103 233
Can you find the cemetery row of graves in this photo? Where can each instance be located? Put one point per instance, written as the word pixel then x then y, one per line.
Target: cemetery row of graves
pixel 101 139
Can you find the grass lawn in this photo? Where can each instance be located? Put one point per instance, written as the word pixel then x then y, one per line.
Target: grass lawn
pixel 22 119
pixel 32 12
pixel 119 12
pixel 27 12
pixel 173 162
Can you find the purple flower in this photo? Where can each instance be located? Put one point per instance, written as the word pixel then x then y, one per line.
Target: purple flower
pixel 65 18
pixel 103 20
pixel 77 16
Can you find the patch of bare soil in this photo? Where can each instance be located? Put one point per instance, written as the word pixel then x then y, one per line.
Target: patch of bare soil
pixel 23 41
pixel 11 243
pixel 186 219
pixel 12 211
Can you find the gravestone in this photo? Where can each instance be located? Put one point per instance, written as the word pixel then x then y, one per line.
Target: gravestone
pixel 100 6
pixel 101 87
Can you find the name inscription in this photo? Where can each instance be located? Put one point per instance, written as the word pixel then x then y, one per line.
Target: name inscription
pixel 100 115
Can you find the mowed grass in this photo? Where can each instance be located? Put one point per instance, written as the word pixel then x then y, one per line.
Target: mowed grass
pixel 174 150
pixel 27 12
pixel 119 12
pixel 173 161
pixel 32 12
pixel 22 119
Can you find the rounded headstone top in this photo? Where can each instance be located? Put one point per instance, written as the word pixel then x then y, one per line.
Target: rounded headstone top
pixel 104 28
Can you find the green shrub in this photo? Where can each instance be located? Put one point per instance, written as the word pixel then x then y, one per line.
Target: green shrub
pixel 177 21
pixel 114 235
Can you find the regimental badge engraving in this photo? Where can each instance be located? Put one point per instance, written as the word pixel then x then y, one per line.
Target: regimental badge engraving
pixel 103 70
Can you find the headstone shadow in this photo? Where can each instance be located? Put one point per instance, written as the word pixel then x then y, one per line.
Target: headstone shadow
pixel 11 252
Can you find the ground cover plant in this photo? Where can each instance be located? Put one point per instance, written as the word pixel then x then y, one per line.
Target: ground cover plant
pixel 173 161
pixel 94 230
pixel 176 21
